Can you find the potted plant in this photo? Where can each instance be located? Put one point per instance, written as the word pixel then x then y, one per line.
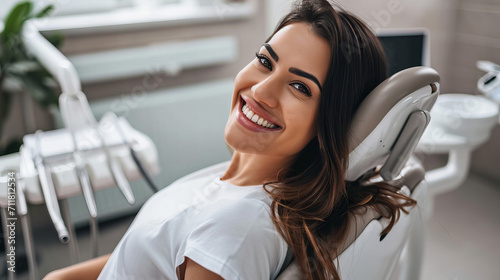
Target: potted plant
pixel 17 67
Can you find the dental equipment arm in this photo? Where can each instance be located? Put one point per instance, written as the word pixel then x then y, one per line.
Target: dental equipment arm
pixel 74 116
pixel 53 60
pixel 49 193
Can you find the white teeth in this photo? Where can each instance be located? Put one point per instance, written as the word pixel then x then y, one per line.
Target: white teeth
pixel 256 118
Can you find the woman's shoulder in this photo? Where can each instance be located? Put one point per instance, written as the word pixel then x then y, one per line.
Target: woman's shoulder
pixel 239 210
pixel 242 234
pixel 245 218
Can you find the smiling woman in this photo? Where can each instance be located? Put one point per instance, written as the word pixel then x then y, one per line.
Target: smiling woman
pixel 284 89
pixel 283 194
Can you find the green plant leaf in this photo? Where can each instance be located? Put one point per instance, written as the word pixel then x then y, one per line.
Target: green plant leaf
pixel 45 11
pixel 55 39
pixel 22 66
pixel 41 93
pixel 12 146
pixel 5 105
pixel 41 73
pixel 15 20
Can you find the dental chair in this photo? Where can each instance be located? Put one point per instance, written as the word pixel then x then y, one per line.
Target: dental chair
pixel 384 133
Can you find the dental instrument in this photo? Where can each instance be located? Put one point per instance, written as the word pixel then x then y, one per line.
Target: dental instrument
pixel 88 193
pixel 83 177
pixel 49 192
pixel 74 251
pixel 119 177
pixel 22 210
pixel 145 174
pixel 73 104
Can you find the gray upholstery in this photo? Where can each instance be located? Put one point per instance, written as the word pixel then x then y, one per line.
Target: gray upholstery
pixel 385 96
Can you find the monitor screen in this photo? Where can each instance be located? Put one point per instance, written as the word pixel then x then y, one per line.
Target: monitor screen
pixel 404 50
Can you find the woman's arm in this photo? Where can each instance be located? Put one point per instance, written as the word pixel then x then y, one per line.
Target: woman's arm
pixel 81 271
pixel 194 271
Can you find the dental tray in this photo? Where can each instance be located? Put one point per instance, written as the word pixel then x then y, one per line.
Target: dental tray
pixel 57 147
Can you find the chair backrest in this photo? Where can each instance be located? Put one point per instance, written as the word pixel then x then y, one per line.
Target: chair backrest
pixel 384 132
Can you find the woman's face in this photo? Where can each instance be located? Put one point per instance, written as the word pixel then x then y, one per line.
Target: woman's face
pixel 276 96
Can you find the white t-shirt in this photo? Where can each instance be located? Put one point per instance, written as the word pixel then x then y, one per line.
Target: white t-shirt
pixel 225 228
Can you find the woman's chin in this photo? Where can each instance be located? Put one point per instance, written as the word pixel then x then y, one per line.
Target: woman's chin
pixel 231 136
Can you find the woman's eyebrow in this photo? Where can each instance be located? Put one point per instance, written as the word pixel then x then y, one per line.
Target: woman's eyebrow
pixel 306 75
pixel 293 70
pixel 271 52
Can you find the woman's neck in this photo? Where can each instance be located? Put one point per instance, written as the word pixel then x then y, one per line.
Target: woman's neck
pixel 251 169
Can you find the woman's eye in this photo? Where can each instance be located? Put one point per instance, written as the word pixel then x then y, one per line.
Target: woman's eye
pixel 302 88
pixel 264 61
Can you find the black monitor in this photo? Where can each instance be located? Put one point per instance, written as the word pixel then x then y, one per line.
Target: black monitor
pixel 404 48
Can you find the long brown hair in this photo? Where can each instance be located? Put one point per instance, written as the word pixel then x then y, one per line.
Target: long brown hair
pixel 312 202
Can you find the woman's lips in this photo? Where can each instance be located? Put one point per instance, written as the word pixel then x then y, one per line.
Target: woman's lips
pixel 245 122
pixel 256 109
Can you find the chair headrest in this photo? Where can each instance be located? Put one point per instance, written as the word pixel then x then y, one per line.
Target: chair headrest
pixel 390 121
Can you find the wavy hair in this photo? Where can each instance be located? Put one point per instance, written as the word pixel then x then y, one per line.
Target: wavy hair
pixel 311 201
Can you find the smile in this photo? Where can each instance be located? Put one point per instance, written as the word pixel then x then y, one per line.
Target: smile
pixel 249 114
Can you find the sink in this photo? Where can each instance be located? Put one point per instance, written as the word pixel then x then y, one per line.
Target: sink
pixel 469 116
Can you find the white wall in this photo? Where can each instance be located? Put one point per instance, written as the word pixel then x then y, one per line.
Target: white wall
pixel 477 37
pixel 275 10
pixel 437 16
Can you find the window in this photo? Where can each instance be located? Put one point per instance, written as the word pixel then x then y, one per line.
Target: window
pixel 77 7
pixel 90 16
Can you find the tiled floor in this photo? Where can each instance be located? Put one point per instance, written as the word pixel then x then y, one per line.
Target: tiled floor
pixel 463 236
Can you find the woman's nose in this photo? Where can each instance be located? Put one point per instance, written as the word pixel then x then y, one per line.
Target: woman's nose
pixel 267 91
